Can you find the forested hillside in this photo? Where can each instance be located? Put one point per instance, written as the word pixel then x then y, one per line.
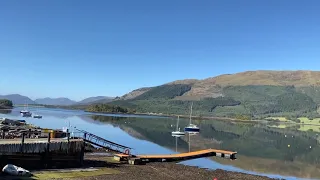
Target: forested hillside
pixel 245 95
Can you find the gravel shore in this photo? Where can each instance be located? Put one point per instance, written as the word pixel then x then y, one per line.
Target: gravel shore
pixel 168 171
pixel 103 167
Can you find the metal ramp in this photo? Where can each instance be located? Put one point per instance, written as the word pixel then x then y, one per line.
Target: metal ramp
pixel 103 143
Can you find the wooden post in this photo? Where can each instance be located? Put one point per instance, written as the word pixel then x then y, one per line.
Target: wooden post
pixel 22 143
pixel 49 138
pixel 29 133
pixel 46 156
pixel 3 134
pixel 68 136
pixel 83 149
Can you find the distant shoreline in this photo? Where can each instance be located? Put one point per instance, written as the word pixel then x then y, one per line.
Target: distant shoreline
pixel 162 115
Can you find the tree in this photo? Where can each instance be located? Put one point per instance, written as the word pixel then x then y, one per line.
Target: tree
pixel 5 103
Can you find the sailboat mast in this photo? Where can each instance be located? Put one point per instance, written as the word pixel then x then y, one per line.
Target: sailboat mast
pixel 191 112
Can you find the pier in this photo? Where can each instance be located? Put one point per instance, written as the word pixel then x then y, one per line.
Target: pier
pixel 141 159
pixel 45 148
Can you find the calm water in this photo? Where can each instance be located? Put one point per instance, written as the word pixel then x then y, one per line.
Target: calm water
pixel 261 150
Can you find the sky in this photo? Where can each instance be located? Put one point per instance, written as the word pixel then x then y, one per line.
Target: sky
pixel 80 48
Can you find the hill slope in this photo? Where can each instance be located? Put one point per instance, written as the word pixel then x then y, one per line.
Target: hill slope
pixel 246 94
pixel 96 99
pixel 17 99
pixel 55 101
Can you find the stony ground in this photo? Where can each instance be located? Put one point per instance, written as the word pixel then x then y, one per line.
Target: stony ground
pixel 171 171
pixel 106 168
pixel 166 171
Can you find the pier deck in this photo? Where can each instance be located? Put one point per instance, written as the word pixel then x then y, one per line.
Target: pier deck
pixel 177 157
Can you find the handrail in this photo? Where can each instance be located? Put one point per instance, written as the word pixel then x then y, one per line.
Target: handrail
pixel 99 141
pixel 102 139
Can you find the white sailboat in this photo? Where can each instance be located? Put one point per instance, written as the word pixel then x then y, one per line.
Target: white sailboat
pixel 191 127
pixel 178 132
pixel 25 112
pixel 37 116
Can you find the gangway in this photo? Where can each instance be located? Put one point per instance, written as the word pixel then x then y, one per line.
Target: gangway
pixel 103 143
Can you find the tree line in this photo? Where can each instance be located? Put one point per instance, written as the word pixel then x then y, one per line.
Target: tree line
pixel 5 103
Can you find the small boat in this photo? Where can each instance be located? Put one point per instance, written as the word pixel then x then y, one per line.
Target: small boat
pixel 177 132
pixel 24 111
pixel 37 116
pixel 26 114
pixel 191 127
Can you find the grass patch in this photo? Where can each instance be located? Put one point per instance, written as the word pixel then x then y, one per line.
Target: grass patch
pixel 279 118
pixel 73 173
pixel 305 120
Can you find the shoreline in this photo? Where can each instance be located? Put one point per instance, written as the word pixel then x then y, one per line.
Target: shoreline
pixel 183 116
pixel 99 167
pixel 207 118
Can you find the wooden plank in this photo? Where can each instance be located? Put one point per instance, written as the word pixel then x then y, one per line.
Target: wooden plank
pixel 194 154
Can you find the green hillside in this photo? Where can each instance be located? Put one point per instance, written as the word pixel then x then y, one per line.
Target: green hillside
pixel 237 101
pixel 246 95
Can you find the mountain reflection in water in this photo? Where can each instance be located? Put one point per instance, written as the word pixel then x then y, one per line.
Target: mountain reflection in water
pixel 260 148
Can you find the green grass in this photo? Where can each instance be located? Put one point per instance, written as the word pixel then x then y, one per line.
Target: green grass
pixel 73 174
pixel 305 120
pixel 311 125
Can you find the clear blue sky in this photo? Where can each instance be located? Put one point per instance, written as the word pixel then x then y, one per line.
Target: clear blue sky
pixel 81 48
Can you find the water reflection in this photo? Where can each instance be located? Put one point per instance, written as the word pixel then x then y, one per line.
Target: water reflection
pixel 5 111
pixel 261 148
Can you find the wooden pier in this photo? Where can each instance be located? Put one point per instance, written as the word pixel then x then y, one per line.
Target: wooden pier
pixel 59 150
pixel 141 159
pixel 41 153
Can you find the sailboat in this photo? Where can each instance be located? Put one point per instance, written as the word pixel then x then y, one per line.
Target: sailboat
pixel 191 127
pixel 178 132
pixel 37 116
pixel 25 112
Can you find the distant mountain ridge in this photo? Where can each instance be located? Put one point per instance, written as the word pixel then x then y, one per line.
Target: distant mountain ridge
pixel 17 99
pixel 62 101
pixel 55 101
pixel 96 99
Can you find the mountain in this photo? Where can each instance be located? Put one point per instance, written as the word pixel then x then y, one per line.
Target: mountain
pixel 96 99
pixel 134 93
pixel 17 99
pixel 245 95
pixel 55 101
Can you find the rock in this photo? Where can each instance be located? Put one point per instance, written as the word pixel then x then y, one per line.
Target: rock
pixel 15 170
